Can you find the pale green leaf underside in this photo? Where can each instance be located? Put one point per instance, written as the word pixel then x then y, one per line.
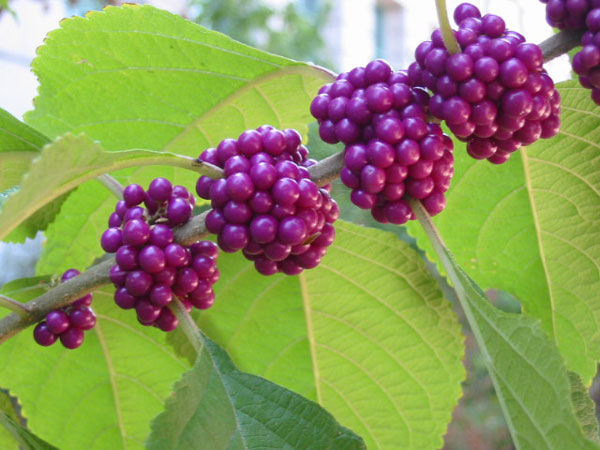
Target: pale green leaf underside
pixel 214 406
pixel 367 334
pixel 532 227
pixel 529 376
pixel 19 144
pixel 527 370
pixel 102 395
pixel 63 165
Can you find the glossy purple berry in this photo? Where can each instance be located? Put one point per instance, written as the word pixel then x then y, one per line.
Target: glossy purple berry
pixel 72 338
pixel 43 335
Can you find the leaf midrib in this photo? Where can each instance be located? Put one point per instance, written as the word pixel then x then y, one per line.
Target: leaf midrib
pixel 538 235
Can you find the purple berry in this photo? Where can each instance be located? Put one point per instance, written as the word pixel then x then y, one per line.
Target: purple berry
pixel 43 335
pixel 72 338
pixel 57 321
pixel 82 317
pixel 133 195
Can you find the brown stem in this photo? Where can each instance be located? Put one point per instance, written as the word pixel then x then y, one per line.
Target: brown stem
pixel 97 276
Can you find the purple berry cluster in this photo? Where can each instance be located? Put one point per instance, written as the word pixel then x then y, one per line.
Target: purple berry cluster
pixel 494 94
pixel 67 324
pixel 267 205
pixel 586 62
pixel 392 150
pixel 569 14
pixel 151 268
pixel 355 106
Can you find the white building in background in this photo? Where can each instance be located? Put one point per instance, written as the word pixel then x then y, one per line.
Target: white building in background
pixel 357 31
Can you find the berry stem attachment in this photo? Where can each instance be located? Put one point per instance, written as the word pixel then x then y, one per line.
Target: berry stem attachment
pixel 188 325
pixel 447 33
pixel 111 184
pixel 19 308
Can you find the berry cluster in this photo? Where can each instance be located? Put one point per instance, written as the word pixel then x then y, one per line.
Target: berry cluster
pixel 569 14
pixel 494 94
pixel 151 268
pixel 267 205
pixel 351 109
pixel 393 149
pixel 586 62
pixel 68 323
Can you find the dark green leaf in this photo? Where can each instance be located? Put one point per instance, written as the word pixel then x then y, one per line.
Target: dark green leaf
pixel 215 406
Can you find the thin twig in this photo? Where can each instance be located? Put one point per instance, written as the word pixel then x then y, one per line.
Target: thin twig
pixel 187 324
pixel 560 43
pixel 20 308
pixel 111 184
pixel 447 33
pixel 97 276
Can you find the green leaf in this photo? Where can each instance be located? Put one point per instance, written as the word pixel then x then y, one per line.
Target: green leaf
pixel 102 395
pixel 194 89
pixel 531 227
pixel 26 439
pixel 19 144
pixel 7 408
pixel 150 98
pixel 65 164
pixel 585 408
pixel 221 407
pixel 367 334
pixel 526 368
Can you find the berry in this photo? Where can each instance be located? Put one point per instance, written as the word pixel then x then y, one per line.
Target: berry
pixel 72 338
pixel 57 321
pixel 43 335
pixel 567 14
pixel 82 317
pixel 68 323
pixel 267 206
pixel 586 62
pixel 494 94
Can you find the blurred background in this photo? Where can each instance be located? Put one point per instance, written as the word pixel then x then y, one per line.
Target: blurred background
pixel 333 33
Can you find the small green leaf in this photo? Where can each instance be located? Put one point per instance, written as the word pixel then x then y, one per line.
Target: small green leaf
pixel 26 439
pixel 585 408
pixel 62 166
pixel 526 368
pixel 19 144
pixel 221 407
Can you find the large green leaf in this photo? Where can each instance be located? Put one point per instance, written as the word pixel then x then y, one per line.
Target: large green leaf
pixel 102 395
pixel 367 334
pixel 19 144
pixel 195 88
pixel 532 227
pixel 65 164
pixel 221 407
pixel 529 375
pixel 138 77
